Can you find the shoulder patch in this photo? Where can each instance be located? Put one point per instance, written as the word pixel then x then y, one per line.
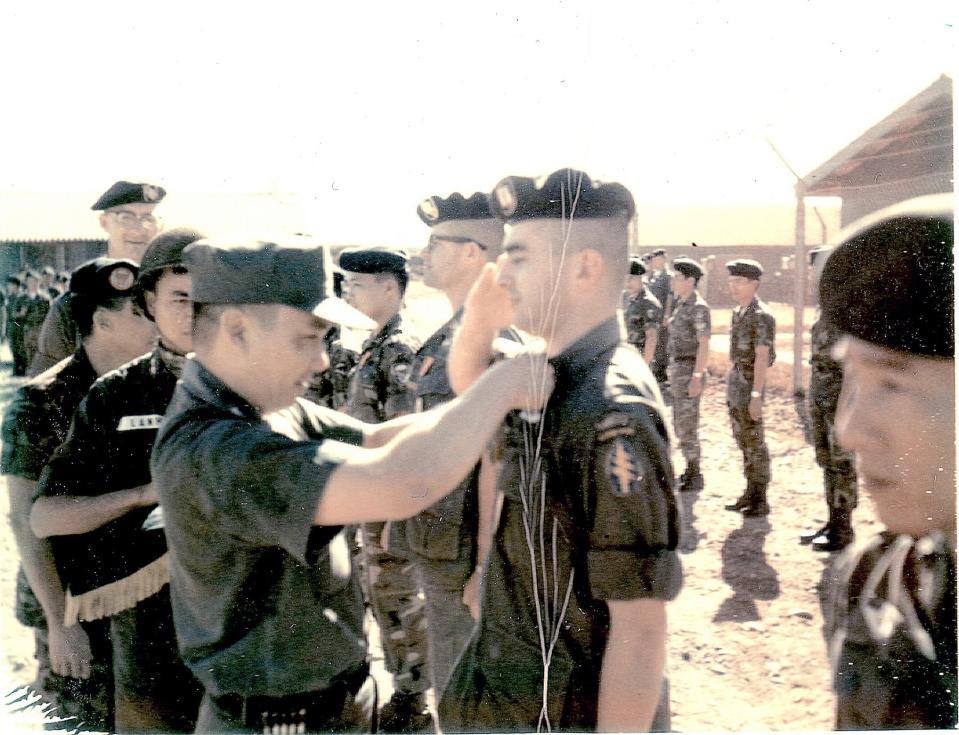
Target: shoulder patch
pixel 622 468
pixel 400 372
pixel 132 423
pixel 614 425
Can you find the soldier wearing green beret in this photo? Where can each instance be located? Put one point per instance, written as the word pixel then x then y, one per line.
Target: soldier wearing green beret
pixel 642 312
pixel 689 332
pixel 127 216
pixel 752 350
pixel 888 288
pixel 260 487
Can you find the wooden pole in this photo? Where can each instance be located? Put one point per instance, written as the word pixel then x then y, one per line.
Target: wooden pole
pixel 800 293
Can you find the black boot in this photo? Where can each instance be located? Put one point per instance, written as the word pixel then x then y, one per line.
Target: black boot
pixel 807 538
pixel 743 501
pixel 692 479
pixel 758 507
pixel 838 533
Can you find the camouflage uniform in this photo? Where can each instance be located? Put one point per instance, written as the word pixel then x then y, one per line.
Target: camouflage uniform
pixel 29 314
pixel 689 321
pixel 380 390
pixel 660 286
pixel 331 386
pixel 641 312
pixel 752 326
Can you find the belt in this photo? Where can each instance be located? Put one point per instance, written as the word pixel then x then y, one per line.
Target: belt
pixel 262 713
pixel 684 358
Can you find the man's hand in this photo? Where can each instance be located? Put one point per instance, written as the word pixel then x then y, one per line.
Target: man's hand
pixel 528 378
pixel 756 408
pixel 70 651
pixel 695 386
pixel 488 305
pixel 471 596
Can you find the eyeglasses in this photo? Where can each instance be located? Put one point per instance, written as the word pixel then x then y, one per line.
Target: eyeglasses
pixel 436 239
pixel 128 219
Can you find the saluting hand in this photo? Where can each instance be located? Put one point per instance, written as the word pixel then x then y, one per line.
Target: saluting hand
pixel 488 304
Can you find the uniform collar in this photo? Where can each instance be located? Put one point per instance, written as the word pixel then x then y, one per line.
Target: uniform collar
pixel 743 309
pixel 691 299
pixel 388 328
pixel 580 357
pixel 209 388
pixel 81 367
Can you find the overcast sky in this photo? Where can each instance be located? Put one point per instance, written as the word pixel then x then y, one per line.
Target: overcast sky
pixel 363 109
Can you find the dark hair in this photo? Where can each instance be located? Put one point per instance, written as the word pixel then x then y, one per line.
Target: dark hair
pixel 401 279
pixel 84 306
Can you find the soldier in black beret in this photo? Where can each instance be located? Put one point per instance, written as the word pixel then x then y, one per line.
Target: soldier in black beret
pixel 573 626
pixel 642 312
pixel 127 216
pixel 689 331
pixel 259 488
pixel 449 540
pixel 891 626
pixel 658 278
pixel 375 282
pixel 96 497
pixel 113 331
pixel 752 350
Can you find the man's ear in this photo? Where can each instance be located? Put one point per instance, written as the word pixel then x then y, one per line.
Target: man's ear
pixel 103 222
pixel 102 320
pixel 235 322
pixel 150 300
pixel 588 266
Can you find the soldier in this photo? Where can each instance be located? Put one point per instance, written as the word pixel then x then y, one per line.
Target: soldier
pixel 658 279
pixel 31 310
pixel 891 625
pixel 96 500
pixel 13 330
pixel 689 331
pixel 127 216
pixel 379 390
pixel 268 613
pixel 446 539
pixel 839 472
pixel 573 629
pixel 331 387
pixel 642 312
pixel 752 350
pixel 35 424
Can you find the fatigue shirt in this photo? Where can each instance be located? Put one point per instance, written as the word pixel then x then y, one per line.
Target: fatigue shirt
pixel 30 311
pixel 891 632
pixel 589 516
pixel 644 311
pixel 108 449
pixel 659 283
pixel 380 385
pixel 445 531
pixel 824 337
pixel 752 326
pixel 59 336
pixel 34 425
pixel 264 602
pixel 689 322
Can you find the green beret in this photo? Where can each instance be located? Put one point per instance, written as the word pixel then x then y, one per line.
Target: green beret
pixel 298 275
pixel 127 192
pixel 373 260
pixel 688 267
pixel 746 268
pixel 436 210
pixel 891 279
pixel 566 193
pixel 636 267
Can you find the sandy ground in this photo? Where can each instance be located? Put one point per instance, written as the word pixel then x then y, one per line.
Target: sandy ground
pixel 745 645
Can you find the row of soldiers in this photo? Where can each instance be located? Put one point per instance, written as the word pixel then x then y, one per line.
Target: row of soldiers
pixel 24 304
pixel 188 523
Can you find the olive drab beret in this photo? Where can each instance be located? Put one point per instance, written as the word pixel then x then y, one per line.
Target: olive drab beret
pixel 688 267
pixel 373 260
pixel 166 249
pixel 298 274
pixel 566 193
pixel 127 192
pixel 745 268
pixel 636 267
pixel 890 281
pixel 435 210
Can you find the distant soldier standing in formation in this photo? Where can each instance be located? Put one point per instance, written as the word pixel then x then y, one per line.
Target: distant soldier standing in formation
pixel 891 622
pixel 689 332
pixel 29 311
pixel 642 312
pixel 658 278
pixel 752 350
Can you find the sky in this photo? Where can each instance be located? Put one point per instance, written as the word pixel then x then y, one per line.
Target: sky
pixel 352 113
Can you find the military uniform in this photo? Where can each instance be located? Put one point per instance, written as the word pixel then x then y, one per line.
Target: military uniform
pixel 120 570
pixel 641 312
pixel 29 313
pixel 592 487
pixel 752 326
pixel 58 336
pixel 689 322
pixel 14 334
pixel 330 389
pixel 35 424
pixel 659 283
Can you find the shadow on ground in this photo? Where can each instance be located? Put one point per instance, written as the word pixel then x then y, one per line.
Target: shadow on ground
pixel 747 572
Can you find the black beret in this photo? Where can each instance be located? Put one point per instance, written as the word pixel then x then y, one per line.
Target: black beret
pixel 103 279
pixel 566 193
pixel 890 281
pixel 436 209
pixel 31 274
pixel 688 267
pixel 636 267
pixel 298 274
pixel 127 192
pixel 166 249
pixel 658 253
pixel 373 260
pixel 14 279
pixel 49 270
pixel 745 267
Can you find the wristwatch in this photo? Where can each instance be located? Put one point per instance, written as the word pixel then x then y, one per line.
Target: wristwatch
pixel 755 394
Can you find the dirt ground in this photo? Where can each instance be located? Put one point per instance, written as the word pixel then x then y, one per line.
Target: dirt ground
pixel 745 643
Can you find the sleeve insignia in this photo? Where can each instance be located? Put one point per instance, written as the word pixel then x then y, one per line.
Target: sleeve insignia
pixel 614 425
pixel 400 372
pixel 426 365
pixel 622 468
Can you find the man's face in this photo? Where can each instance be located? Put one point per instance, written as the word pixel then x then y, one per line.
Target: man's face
pixel 442 261
pixel 742 289
pixel 367 293
pixel 172 310
pixel 682 286
pixel 530 273
pixel 657 263
pixel 897 413
pixel 32 284
pixel 284 354
pixel 129 228
pixel 634 284
pixel 131 333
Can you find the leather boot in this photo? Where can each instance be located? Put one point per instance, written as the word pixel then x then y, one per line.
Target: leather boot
pixel 692 479
pixel 758 507
pixel 807 538
pixel 838 533
pixel 743 501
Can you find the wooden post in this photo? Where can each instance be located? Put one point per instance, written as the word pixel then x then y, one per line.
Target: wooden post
pixel 800 293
